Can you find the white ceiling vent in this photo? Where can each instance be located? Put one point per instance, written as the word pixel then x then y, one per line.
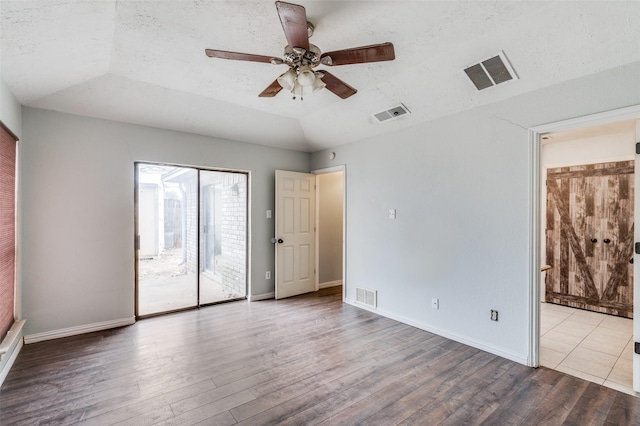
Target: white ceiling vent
pixel 390 114
pixel 491 71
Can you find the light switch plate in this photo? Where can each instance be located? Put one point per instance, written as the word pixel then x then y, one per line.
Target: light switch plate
pixel 268 214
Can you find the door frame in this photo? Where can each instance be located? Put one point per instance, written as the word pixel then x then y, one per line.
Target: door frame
pixel 136 232
pixel 535 173
pixel 341 168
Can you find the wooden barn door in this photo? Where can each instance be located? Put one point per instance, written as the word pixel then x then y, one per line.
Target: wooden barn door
pixel 589 237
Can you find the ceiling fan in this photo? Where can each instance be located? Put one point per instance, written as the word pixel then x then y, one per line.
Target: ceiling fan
pixel 303 57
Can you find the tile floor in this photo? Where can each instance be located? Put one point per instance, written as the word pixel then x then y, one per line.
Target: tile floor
pixel 592 346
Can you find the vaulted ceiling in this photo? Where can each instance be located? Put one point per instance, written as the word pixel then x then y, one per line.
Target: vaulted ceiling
pixel 143 62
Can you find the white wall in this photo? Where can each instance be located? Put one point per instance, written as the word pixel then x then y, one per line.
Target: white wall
pixel 589 150
pixel 10 110
pixel 461 187
pixel 330 194
pixel 77 222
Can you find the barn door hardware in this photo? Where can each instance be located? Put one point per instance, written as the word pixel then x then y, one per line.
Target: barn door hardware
pixel 606 241
pixel 637 347
pixel 637 248
pixel 594 240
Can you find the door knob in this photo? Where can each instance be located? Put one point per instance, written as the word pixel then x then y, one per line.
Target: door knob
pixel 280 241
pixel 606 241
pixel 631 261
pixel 594 240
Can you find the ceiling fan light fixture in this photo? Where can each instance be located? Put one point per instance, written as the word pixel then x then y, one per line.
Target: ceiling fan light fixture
pixel 287 80
pixel 306 76
pixel 318 84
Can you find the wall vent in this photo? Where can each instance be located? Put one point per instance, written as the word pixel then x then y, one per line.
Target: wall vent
pixel 392 113
pixel 491 71
pixel 367 297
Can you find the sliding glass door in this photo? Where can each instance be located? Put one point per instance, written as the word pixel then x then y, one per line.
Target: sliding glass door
pixel 191 237
pixel 223 214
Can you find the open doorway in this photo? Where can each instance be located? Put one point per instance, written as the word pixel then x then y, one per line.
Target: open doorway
pixel 586 232
pixel 191 232
pixel 330 225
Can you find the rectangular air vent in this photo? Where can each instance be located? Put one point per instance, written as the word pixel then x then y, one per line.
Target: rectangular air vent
pixel 390 114
pixel 367 297
pixel 491 71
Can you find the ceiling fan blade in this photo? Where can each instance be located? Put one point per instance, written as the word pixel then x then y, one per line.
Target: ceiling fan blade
pixel 273 89
pixel 359 55
pixel 294 23
pixel 238 56
pixel 337 86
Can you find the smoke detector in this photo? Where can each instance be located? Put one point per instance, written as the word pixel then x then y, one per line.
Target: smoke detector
pixel 491 71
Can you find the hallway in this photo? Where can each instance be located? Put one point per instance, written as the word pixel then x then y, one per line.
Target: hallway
pixel 593 346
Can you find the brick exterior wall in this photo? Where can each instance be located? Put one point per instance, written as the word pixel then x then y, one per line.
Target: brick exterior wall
pixel 234 230
pixel 231 263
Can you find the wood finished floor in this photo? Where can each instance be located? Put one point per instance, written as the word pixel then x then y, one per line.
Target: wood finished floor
pixel 300 361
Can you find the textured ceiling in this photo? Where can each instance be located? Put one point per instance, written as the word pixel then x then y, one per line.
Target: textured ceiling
pixel 143 62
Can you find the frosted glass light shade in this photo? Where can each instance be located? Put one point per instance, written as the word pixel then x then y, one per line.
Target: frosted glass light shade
pixel 306 76
pixel 287 80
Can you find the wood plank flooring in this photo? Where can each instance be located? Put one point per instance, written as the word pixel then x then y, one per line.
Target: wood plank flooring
pixel 300 361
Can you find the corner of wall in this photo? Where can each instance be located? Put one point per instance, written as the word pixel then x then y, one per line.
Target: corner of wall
pixel 10 110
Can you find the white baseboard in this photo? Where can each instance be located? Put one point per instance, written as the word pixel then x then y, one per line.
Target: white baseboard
pixel 80 329
pixel 521 359
pixel 264 296
pixel 330 284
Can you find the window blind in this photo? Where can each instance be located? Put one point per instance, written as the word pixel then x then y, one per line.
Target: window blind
pixel 7 228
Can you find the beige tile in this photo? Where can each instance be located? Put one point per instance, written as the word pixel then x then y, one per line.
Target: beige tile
pixel 612 333
pixel 579 374
pixel 550 320
pixel 608 344
pixel 588 317
pixel 559 308
pixel 575 328
pixel 544 331
pixel 559 336
pixel 627 352
pixel 550 358
pixel 556 345
pixel 620 324
pixel 621 388
pixel 622 373
pixel 591 362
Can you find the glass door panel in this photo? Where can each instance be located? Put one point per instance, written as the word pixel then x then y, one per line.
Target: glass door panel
pixel 168 239
pixel 223 236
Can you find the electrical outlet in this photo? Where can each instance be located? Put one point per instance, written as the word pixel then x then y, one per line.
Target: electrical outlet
pixel 392 213
pixel 435 303
pixel 494 315
pixel 267 275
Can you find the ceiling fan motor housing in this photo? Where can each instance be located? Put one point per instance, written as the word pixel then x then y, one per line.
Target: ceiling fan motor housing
pixel 297 56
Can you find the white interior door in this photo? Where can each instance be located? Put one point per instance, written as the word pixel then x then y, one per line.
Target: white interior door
pixel 295 233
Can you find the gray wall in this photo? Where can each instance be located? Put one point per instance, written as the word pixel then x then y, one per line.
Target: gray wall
pixel 77 217
pixel 461 188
